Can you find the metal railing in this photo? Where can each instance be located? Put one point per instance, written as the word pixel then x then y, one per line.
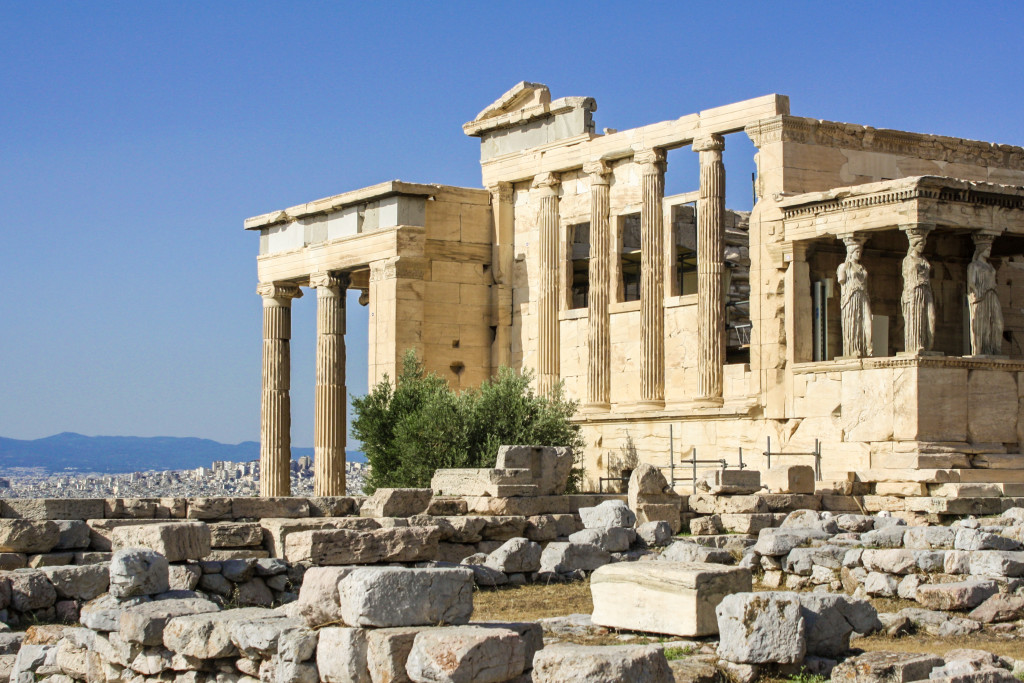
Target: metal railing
pixel 816 453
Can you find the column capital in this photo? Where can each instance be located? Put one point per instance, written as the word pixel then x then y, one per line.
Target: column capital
pixel 328 280
pixel 279 290
pixel 651 157
pixel 546 181
pixel 984 236
pixel 853 238
pixel 598 172
pixel 500 192
pixel 917 229
pixel 709 143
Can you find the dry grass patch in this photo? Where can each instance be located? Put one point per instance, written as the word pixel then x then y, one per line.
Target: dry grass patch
pixel 1005 646
pixel 533 602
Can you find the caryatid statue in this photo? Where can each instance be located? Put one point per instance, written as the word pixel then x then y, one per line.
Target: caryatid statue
pixel 986 313
pixel 917 300
pixel 854 302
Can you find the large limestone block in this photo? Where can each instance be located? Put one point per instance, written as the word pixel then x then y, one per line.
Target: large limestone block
pixel 868 407
pixel 730 482
pixel 235 535
pixel 613 539
pixel 831 619
pixel 396 503
pixel 30 590
pixel 208 636
pixel 253 507
pixel 177 541
pixel 675 598
pixel 28 536
pixel 393 596
pixel 138 571
pixel 264 637
pixel 789 479
pixel 319 602
pixel 645 480
pixel 466 654
pixel 515 556
pixel 938 393
pixel 894 667
pixel 604 664
pixel 549 466
pixel 610 513
pixel 342 546
pixel 562 557
pixel 53 508
pixel 387 651
pixel 104 613
pixel 761 628
pixel 669 513
pixel 79 582
pixel 144 624
pixel 341 655
pixel 276 531
pixel 483 482
pixel 961 595
pixel 991 406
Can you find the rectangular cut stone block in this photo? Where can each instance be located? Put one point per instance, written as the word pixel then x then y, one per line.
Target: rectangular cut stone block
pixel 901 488
pixel 729 481
pixel 177 541
pixel 342 546
pixel 661 512
pixel 396 503
pixel 53 508
pixel 675 598
pixel 549 466
pixel 483 482
pixel 101 530
pixel 789 479
pixel 258 508
pixel 991 406
pixel 395 596
pixel 387 651
pixel 236 535
pixel 276 531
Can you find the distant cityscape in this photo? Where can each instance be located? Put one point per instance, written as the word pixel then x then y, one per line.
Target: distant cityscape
pixel 221 478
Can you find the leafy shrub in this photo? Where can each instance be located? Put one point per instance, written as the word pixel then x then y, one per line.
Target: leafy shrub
pixel 419 424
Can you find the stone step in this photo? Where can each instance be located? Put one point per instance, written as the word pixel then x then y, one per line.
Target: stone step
pixel 990 476
pixel 998 461
pixel 925 476
pixel 965 490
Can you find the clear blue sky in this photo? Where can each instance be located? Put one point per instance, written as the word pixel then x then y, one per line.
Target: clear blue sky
pixel 135 137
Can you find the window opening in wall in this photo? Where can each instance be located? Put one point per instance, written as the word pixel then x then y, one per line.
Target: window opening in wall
pixel 629 256
pixel 684 249
pixel 579 264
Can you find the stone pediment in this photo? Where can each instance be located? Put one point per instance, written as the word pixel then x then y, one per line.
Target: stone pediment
pixel 521 96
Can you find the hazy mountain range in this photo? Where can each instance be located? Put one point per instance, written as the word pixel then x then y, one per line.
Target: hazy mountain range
pixel 76 453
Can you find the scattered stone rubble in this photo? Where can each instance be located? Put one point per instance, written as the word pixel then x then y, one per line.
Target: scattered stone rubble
pixel 765 584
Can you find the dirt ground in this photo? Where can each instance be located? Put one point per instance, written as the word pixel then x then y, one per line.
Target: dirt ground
pixel 530 603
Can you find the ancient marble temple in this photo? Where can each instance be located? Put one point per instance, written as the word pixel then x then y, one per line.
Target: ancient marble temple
pixel 871 302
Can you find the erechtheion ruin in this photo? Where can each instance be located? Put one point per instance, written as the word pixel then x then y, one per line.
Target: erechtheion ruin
pixel 872 302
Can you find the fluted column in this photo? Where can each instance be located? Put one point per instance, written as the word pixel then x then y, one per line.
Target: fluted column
pixel 652 279
pixel 710 260
pixel 329 425
pixel 547 296
pixel 275 407
pixel 599 358
pixel 502 259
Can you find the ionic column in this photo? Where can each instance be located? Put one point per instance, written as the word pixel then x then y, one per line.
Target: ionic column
pixel 652 279
pixel 275 406
pixel 599 357
pixel 502 258
pixel 710 259
pixel 329 425
pixel 547 296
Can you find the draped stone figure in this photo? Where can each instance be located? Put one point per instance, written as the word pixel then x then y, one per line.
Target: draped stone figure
pixel 917 300
pixel 854 302
pixel 986 313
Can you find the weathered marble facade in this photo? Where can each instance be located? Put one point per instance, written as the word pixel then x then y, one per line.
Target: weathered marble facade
pixel 672 312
